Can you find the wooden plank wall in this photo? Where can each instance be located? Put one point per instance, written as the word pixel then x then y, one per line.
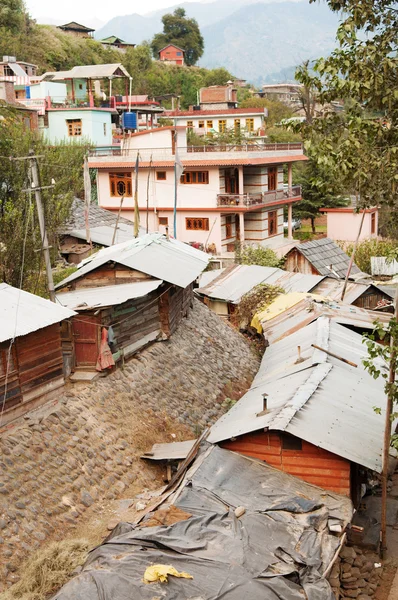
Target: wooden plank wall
pixel 311 464
pixel 297 263
pixel 180 301
pixel 40 370
pixel 109 274
pixel 133 320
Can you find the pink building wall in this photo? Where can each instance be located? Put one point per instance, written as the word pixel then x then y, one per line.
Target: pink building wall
pixel 343 224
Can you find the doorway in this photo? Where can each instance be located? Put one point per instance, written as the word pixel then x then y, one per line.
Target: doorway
pixel 86 336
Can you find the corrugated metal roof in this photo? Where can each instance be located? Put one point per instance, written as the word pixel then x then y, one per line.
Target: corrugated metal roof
pixel 109 295
pixel 332 288
pixel 172 451
pixel 325 253
pixel 298 312
pixel 321 400
pixel 22 313
pixel 153 254
pixel 208 276
pixel 90 72
pixel 381 266
pixel 236 281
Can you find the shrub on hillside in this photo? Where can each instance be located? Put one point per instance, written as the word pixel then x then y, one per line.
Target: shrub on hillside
pixel 368 248
pixel 257 255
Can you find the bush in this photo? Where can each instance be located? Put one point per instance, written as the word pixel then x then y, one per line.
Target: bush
pixel 257 255
pixel 255 301
pixel 368 248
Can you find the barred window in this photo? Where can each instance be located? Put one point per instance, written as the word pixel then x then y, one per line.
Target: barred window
pixel 74 127
pixel 195 177
pixel 194 224
pixel 120 184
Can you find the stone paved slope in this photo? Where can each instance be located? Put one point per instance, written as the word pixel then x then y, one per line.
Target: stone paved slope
pixel 87 449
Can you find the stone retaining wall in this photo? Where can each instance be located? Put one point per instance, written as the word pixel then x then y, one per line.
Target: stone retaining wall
pixel 87 449
pixel 354 574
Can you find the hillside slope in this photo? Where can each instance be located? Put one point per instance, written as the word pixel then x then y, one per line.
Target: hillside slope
pixel 252 40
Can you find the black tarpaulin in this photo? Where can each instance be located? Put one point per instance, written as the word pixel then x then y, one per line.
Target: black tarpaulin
pixel 277 550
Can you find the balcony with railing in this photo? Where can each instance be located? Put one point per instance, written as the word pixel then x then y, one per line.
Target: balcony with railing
pixel 259 199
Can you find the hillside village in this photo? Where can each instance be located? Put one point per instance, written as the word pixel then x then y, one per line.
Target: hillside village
pixel 198 332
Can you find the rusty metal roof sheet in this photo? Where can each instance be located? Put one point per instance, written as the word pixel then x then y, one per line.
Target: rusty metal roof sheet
pixel 307 310
pixel 153 254
pixel 109 295
pixel 316 397
pixel 22 313
pixel 237 280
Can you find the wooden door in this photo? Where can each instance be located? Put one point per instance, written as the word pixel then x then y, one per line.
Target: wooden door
pixel 272 178
pixel 86 336
pixel 272 223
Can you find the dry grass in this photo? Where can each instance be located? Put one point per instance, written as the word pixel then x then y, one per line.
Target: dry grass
pixel 47 570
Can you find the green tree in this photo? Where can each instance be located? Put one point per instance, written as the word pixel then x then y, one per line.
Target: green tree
pixel 19 230
pixel 181 31
pixel 256 255
pixel 359 145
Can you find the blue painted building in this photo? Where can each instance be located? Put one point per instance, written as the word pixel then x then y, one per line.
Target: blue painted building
pixel 92 125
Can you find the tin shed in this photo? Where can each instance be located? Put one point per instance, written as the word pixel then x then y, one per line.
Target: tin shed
pixel 31 364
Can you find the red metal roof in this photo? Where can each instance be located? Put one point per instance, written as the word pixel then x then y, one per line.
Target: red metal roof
pixel 210 113
pixel 221 162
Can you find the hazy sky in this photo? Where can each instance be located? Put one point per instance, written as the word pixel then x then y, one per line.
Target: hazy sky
pixel 88 10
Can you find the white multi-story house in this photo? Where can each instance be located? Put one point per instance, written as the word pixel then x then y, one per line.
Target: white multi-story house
pixel 224 195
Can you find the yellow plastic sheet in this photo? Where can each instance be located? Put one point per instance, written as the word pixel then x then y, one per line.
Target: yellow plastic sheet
pixel 161 573
pixel 280 305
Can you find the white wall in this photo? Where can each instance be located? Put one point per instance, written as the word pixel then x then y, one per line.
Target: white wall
pixel 258 121
pixel 93 122
pixel 56 91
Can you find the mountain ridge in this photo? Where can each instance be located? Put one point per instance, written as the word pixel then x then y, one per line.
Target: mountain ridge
pixel 253 40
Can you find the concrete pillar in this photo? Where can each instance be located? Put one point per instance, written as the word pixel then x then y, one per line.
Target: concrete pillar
pixel 241 180
pixel 290 177
pixel 289 221
pixel 242 226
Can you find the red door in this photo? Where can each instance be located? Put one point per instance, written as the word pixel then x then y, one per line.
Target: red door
pixel 86 335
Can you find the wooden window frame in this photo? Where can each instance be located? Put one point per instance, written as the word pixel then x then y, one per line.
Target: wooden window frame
pixel 164 221
pixel 222 125
pixel 75 127
pixel 237 125
pixel 250 124
pixel 228 227
pixel 201 124
pixel 192 177
pixel 161 176
pixel 272 218
pixel 373 223
pixel 196 224
pixel 272 179
pixel 209 124
pixel 190 124
pixel 115 190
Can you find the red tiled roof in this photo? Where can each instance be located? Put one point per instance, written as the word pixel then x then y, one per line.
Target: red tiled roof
pixel 213 113
pixel 221 162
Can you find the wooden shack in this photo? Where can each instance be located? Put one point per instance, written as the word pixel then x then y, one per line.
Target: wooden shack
pixel 31 361
pixel 299 415
pixel 139 291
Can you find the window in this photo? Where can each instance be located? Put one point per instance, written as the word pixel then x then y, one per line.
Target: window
pixel 179 53
pixel 290 442
pixel 161 175
pixel 272 178
pixel 104 128
pixel 80 86
pixel 197 224
pixel 272 223
pixel 237 125
pixel 373 223
pixel 189 123
pixel 74 127
pixel 209 124
pixel 164 221
pixel 120 184
pixel 195 177
pixel 250 125
pixel 228 226
pixel 201 124
pixel 222 126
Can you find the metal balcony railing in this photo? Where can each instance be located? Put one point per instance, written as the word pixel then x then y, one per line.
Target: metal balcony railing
pixel 260 198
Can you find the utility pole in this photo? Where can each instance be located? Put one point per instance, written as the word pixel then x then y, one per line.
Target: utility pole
pixel 35 185
pixel 387 434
